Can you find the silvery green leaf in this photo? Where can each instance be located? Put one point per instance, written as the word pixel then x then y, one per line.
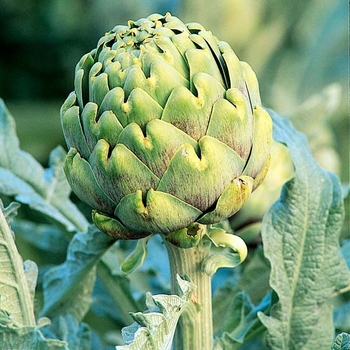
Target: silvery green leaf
pixel 300 235
pixel 117 286
pixel 10 212
pixel 241 320
pixel 14 291
pixel 136 258
pixel 342 308
pixel 31 273
pixel 22 177
pixel 46 237
pixel 254 344
pixel 68 287
pixel 222 259
pixel 18 337
pixel 68 329
pixel 253 280
pixel 345 249
pixel 155 328
pixel 342 316
pixel 341 342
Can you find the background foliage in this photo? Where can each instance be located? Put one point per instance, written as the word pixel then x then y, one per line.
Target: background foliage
pixel 298 50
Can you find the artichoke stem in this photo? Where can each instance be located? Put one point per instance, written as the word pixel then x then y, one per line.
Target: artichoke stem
pixel 195 328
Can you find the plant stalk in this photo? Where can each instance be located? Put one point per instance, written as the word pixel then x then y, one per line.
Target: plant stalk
pixel 195 328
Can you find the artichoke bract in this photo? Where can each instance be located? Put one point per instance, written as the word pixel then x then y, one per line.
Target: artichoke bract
pixel 165 128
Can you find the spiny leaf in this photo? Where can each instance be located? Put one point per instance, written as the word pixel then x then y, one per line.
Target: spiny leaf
pixel 300 234
pixel 155 328
pixel 22 177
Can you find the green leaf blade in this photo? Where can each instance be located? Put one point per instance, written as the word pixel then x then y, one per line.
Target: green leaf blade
pixel 341 342
pixel 27 338
pixel 68 287
pixel 14 290
pixel 300 234
pixel 23 178
pixel 155 330
pixel 241 322
pixel 11 156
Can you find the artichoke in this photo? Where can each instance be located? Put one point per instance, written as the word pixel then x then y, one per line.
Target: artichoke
pixel 165 128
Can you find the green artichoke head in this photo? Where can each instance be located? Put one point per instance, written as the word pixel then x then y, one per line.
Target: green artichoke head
pixel 165 128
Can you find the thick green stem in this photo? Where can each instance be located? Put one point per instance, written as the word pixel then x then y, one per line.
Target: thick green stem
pixel 195 329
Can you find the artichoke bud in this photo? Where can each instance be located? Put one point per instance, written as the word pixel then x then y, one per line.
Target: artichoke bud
pixel 165 128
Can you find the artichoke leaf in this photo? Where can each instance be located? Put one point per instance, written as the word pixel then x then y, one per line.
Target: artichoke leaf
pixel 232 63
pixel 341 342
pixel 183 42
pixel 15 293
pixel 187 237
pixel 83 182
pixel 106 56
pixel 136 258
pixel 262 174
pixel 161 82
pixel 221 238
pixel 119 172
pixel 217 260
pixel 215 48
pixel 157 146
pixel 98 87
pixel 113 227
pixel 262 138
pixel 191 113
pixel 140 107
pixel 230 201
pixel 300 233
pixel 106 127
pixel 252 84
pixel 155 328
pixel 227 240
pixel 174 23
pixel 88 121
pixel 228 119
pixel 201 61
pixel 160 212
pixel 172 56
pixel 116 76
pixel 109 128
pixel 113 101
pixel 72 128
pixel 81 81
pixel 199 180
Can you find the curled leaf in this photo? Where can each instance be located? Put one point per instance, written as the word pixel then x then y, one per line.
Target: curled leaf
pixel 221 238
pixel 154 329
pixel 136 257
